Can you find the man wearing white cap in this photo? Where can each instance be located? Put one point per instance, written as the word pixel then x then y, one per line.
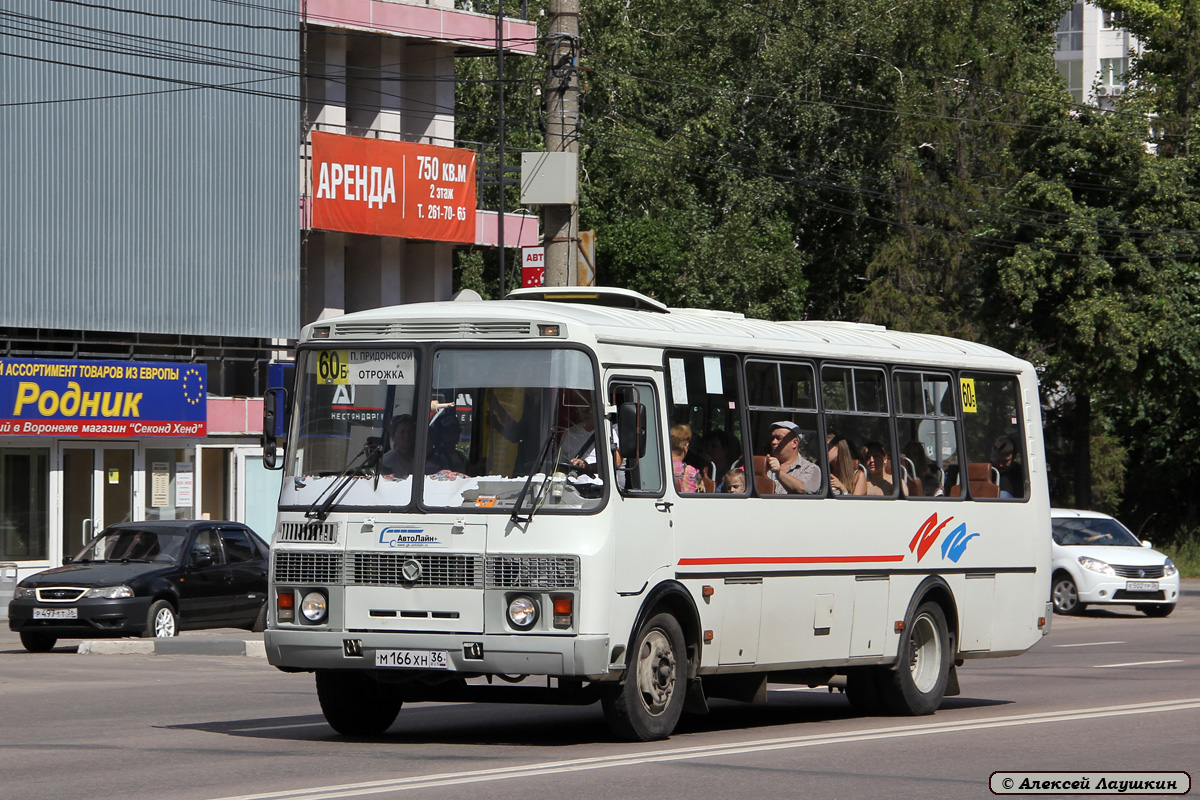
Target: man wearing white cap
pixel 789 471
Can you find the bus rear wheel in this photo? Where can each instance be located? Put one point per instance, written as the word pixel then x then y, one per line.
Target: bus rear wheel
pixel 647 703
pixel 917 684
pixel 355 704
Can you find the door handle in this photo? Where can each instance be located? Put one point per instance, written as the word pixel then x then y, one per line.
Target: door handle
pixel 85 529
pixel 663 505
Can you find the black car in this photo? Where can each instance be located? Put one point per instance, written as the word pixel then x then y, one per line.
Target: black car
pixel 147 579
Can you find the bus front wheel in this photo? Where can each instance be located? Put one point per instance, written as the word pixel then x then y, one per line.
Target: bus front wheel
pixel 917 684
pixel 647 703
pixel 355 704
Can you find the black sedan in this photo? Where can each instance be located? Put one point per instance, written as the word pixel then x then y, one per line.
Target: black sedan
pixel 148 579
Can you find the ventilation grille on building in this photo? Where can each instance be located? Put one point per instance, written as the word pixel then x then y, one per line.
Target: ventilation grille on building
pixel 315 532
pixel 298 567
pixel 437 569
pixel 433 330
pixel 532 572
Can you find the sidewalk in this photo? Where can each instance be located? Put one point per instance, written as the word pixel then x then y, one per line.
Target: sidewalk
pixel 215 642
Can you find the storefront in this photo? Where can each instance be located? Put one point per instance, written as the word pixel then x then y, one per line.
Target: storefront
pixel 84 444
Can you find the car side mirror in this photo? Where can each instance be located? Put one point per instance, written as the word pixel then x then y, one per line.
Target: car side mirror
pixel 201 555
pixel 1146 543
pixel 68 559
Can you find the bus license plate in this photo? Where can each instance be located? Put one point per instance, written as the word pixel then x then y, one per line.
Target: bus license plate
pixel 56 613
pixel 1141 586
pixel 413 659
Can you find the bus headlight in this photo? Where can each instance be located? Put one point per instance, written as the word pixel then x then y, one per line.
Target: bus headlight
pixel 522 612
pixel 314 607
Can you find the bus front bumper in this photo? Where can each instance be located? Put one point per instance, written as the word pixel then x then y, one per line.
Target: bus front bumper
pixel 496 654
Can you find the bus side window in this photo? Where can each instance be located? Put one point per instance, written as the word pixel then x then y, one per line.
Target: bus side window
pixel 642 475
pixel 783 424
pixel 928 433
pixel 704 395
pixel 997 464
pixel 856 412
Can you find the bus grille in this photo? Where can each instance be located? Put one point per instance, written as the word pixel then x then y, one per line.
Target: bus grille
pixel 437 569
pixel 314 532
pixel 300 567
pixel 1139 572
pixel 532 572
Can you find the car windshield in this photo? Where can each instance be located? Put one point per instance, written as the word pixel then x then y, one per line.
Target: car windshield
pixel 1102 531
pixel 134 544
pixel 496 421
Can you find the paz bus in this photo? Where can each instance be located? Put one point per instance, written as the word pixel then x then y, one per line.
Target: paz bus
pixel 477 493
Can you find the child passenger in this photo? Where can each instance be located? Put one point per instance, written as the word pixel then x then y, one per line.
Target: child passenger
pixel 734 481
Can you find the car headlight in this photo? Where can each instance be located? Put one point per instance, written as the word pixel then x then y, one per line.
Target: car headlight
pixel 1169 568
pixel 24 593
pixel 314 606
pixel 522 612
pixel 1096 565
pixel 109 592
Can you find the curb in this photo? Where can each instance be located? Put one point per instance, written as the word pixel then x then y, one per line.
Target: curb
pixel 173 647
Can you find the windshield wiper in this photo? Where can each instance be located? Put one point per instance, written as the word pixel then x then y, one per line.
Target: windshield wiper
pixel 365 460
pixel 516 516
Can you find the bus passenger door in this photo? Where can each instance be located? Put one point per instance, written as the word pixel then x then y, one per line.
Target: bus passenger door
pixel 642 513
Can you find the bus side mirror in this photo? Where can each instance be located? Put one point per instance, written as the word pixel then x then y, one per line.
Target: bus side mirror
pixel 631 430
pixel 274 401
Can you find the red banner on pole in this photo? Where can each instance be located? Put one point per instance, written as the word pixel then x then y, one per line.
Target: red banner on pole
pixel 386 188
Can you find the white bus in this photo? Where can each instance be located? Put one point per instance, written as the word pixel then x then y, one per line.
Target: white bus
pixel 476 493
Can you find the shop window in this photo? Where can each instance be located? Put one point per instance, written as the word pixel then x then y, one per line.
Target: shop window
pixel 24 504
pixel 170 483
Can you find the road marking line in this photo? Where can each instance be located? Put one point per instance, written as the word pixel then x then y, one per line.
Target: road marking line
pixel 709 751
pixel 1087 644
pixel 1139 663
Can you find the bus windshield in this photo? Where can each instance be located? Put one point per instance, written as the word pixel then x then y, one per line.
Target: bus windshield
pixel 497 421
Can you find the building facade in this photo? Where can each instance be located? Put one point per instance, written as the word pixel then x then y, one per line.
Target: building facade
pixel 1092 53
pixel 160 252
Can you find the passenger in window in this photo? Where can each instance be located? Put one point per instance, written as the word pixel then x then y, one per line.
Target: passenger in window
pixel 844 476
pixel 444 434
pixel 879 479
pixel 397 462
pixel 788 470
pixel 1012 474
pixel 928 480
pixel 721 451
pixel 687 477
pixel 734 481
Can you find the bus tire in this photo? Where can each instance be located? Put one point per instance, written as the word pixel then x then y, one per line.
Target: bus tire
pixel 917 684
pixel 647 703
pixel 864 692
pixel 355 704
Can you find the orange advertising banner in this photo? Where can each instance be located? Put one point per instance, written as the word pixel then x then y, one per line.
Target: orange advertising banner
pixel 387 188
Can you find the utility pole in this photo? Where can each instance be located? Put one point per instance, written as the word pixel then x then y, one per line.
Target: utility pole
pixel 561 222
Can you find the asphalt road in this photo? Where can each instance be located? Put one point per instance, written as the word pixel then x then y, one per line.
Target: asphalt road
pixel 1109 691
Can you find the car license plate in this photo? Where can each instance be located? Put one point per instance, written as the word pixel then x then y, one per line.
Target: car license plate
pixel 1141 586
pixel 413 659
pixel 56 613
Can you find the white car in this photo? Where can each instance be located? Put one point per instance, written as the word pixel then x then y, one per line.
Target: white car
pixel 1096 559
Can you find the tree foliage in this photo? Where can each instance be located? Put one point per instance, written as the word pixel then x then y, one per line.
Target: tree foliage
pixel 918 165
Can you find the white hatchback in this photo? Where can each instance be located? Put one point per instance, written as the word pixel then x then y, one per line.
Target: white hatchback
pixel 1096 559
